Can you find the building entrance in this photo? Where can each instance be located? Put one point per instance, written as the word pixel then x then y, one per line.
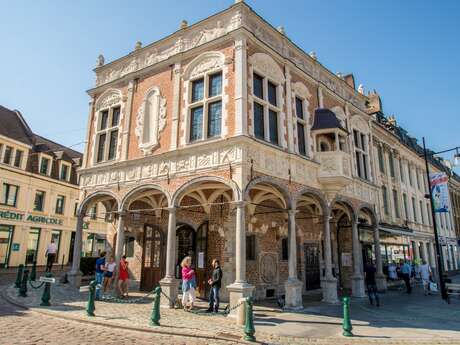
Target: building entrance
pixel 312 273
pixel 6 235
pixel 152 258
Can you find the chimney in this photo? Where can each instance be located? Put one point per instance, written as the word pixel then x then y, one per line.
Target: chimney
pixel 374 103
pixel 350 80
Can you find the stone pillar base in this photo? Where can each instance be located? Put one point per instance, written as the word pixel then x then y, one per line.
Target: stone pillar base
pixel 293 299
pixel 238 291
pixel 381 281
pixel 329 287
pixel 357 286
pixel 74 279
pixel 170 287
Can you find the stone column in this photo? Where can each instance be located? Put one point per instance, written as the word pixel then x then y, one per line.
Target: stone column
pixel 416 250
pixel 424 252
pixel 128 105
pixel 169 284
pixel 241 86
pixel 120 237
pixel 240 288
pixel 293 285
pixel 176 105
pixel 74 276
pixel 380 278
pixel 357 278
pixel 328 282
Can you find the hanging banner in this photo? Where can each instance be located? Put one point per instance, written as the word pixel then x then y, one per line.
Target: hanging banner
pixel 438 183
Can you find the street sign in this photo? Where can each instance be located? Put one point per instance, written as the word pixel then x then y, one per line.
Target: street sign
pixel 15 247
pixel 47 280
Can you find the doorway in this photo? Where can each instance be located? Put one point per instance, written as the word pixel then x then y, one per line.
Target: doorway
pixel 152 258
pixel 312 272
pixel 6 236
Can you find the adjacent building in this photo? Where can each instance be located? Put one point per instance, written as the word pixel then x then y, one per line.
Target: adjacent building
pixel 225 140
pixel 39 197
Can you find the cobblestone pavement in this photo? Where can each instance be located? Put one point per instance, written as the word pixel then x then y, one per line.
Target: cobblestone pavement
pixel 401 320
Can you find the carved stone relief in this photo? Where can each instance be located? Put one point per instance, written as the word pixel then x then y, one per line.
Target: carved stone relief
pixel 268 267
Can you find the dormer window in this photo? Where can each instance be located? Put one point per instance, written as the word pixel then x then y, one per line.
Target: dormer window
pixel 64 171
pixel 18 158
pixel 7 155
pixel 107 134
pixel 206 107
pixel 45 165
pixel 265 109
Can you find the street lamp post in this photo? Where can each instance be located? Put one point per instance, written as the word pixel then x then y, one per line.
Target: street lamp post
pixel 442 284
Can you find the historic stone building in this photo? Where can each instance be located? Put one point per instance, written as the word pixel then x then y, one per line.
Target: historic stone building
pixel 39 197
pixel 225 140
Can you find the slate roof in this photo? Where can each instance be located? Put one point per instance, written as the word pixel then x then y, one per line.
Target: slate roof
pixel 14 127
pixel 326 119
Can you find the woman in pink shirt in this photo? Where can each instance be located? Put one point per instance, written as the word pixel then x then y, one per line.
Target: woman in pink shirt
pixel 188 283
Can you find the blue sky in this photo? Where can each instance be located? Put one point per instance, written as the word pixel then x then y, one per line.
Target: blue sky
pixel 408 51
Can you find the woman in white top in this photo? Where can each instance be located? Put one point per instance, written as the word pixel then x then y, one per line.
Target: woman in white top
pixel 109 271
pixel 425 274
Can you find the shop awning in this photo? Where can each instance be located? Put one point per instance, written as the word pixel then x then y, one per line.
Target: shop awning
pixel 396 230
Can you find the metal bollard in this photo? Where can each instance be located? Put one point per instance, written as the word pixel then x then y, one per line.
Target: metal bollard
pixel 249 329
pixel 23 287
pixel 90 307
pixel 17 283
pixel 33 273
pixel 155 317
pixel 346 318
pixel 46 296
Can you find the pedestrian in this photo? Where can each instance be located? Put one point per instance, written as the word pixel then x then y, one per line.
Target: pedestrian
pixel 188 283
pixel 100 267
pixel 425 273
pixel 369 277
pixel 50 255
pixel 406 272
pixel 123 276
pixel 216 282
pixel 392 271
pixel 108 273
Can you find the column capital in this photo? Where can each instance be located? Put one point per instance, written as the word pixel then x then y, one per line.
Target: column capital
pixel 122 214
pixel 240 203
pixel 172 209
pixel 292 212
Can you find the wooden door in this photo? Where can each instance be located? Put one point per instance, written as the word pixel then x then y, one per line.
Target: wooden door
pixel 152 258
pixel 312 273
pixel 201 260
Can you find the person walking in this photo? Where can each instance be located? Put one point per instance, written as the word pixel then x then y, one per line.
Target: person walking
pixel 216 283
pixel 188 283
pixel 100 268
pixel 123 276
pixel 425 274
pixel 108 273
pixel 50 255
pixel 369 277
pixel 406 272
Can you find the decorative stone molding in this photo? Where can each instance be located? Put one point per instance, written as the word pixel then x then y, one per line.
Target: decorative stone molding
pixel 265 64
pixel 150 120
pixel 268 267
pixel 204 63
pixel 301 90
pixel 109 98
pixel 358 123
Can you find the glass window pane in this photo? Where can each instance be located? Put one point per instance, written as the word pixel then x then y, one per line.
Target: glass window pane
pixel 113 144
pixel 273 123
pixel 214 119
pixel 104 118
pixel 299 108
pixel 215 84
pixel 259 127
pixel 272 94
pixel 44 166
pixel 18 158
pixel 101 147
pixel 197 90
pixel 301 138
pixel 32 245
pixel 258 89
pixel 64 172
pixel 60 204
pixel 196 124
pixel 115 116
pixel 56 236
pixel 7 155
pixel 39 201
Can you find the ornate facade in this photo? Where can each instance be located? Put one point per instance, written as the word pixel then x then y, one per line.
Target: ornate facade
pixel 225 140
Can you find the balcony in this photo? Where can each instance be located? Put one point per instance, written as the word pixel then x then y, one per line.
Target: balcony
pixel 335 169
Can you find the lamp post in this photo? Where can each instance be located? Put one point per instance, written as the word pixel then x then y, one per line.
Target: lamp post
pixel 442 284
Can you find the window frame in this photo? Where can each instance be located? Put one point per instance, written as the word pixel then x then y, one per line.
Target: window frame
pixel 11 154
pixel 107 131
pixel 362 151
pixel 386 206
pixel 205 103
pixel 304 122
pixel 251 250
pixel 21 153
pixel 6 190
pixel 69 171
pixel 60 209
pixel 48 168
pixel 42 209
pixel 267 106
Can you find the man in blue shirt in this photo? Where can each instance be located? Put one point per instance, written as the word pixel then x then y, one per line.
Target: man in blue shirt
pixel 100 264
pixel 406 271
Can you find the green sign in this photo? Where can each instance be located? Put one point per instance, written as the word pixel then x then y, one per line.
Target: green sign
pixel 15 247
pixel 30 218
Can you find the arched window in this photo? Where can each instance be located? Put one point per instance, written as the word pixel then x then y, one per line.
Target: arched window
pixel 108 115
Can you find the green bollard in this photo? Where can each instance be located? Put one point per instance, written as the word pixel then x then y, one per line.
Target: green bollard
pixel 23 287
pixel 249 329
pixel 33 273
pixel 17 283
pixel 46 296
pixel 90 307
pixel 346 318
pixel 155 317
